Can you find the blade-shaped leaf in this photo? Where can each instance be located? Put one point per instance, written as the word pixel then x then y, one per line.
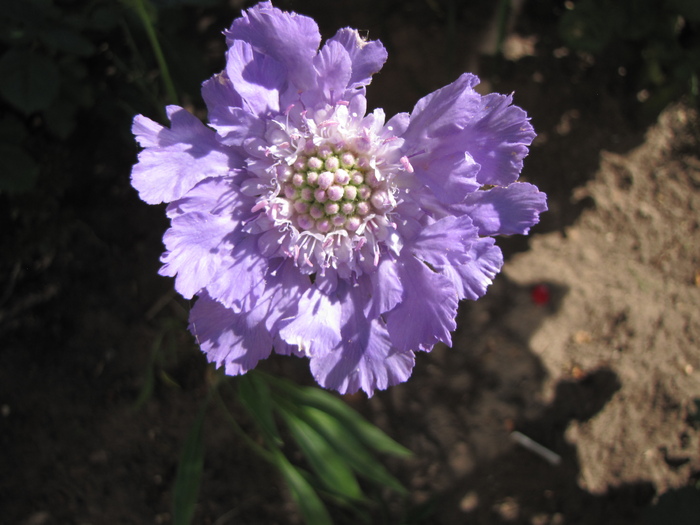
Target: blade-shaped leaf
pixel 189 472
pixel 365 431
pixel 331 468
pixel 310 505
pixel 355 453
pixel 255 396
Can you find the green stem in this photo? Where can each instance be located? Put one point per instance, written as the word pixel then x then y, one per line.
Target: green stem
pixel 504 8
pixel 140 8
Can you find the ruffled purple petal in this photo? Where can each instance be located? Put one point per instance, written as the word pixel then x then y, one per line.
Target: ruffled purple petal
pixel 365 359
pixel 367 57
pixel 439 160
pixel 257 78
pixel 233 123
pixel 334 67
pixel 480 140
pixel 216 196
pixel 427 312
pixel 445 242
pixel 498 139
pixel 316 327
pixel 386 288
pixel 236 341
pixel 242 281
pixel 505 211
pixel 473 278
pixel 289 38
pixel 175 160
pixel 280 300
pixel 198 245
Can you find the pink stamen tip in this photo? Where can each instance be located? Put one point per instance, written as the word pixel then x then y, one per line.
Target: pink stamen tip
pixel 406 164
pixel 259 206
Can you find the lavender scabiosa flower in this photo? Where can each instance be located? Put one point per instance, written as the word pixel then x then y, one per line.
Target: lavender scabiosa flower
pixel 306 225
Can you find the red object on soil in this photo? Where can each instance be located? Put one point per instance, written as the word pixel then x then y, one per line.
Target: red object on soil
pixel 540 294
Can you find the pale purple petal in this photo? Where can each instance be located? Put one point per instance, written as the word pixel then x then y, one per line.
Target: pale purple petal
pixel 215 196
pixel 233 123
pixel 334 67
pixel 484 138
pixel 498 139
pixel 279 302
pixel 316 327
pixel 219 95
pixel 427 312
pixel 367 57
pixel 257 78
pixel 441 162
pixel 445 242
pixel 473 278
pixel 281 347
pixel 397 125
pixel 228 339
pixel 366 361
pixel 386 288
pixel 241 282
pixel 505 211
pixel 176 159
pixel 289 38
pixel 197 245
pixel 366 358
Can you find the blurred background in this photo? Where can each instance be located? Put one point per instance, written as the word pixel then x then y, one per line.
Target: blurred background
pixel 588 342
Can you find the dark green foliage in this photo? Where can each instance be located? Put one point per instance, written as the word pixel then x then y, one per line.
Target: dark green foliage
pixel 657 42
pixel 59 58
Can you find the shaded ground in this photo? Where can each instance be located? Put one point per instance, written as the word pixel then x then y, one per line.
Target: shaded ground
pixel 604 373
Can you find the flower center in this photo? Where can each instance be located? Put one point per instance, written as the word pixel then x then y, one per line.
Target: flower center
pixel 329 188
pixel 327 182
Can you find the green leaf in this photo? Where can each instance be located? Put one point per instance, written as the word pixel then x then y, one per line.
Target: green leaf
pixel 341 438
pixel 255 397
pixel 18 171
pixel 189 472
pixel 332 470
pixel 365 431
pixel 312 508
pixel 28 81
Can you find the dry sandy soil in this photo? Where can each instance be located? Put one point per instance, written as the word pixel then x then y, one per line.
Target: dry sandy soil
pixel 600 365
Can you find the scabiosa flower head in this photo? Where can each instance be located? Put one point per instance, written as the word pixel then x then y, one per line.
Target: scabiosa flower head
pixel 306 225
